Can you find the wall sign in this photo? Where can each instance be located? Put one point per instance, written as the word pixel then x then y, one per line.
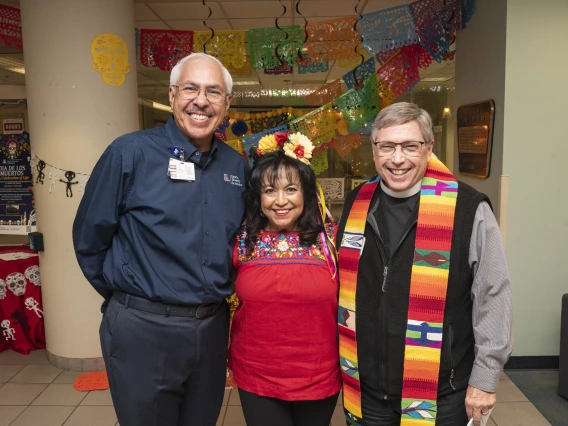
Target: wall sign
pixel 13 126
pixel 475 137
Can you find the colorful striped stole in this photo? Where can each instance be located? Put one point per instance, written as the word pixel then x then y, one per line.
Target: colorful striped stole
pixel 427 300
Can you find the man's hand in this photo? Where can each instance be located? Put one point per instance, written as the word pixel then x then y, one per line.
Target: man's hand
pixel 478 403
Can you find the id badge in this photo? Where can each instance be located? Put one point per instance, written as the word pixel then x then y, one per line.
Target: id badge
pixel 179 170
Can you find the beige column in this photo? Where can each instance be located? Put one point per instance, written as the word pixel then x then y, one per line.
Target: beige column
pixel 73 116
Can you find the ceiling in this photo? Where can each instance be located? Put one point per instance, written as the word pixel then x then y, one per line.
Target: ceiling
pixel 241 15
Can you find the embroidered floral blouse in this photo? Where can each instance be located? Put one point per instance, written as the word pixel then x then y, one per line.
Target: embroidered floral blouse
pixel 284 332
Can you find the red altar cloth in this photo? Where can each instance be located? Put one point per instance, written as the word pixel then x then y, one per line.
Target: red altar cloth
pixel 21 312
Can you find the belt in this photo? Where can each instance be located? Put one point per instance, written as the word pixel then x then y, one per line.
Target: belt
pixel 141 304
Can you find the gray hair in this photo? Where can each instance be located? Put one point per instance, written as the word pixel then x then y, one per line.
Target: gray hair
pixel 176 71
pixel 401 113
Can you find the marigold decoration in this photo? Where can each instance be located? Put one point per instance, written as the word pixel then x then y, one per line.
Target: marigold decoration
pixel 295 145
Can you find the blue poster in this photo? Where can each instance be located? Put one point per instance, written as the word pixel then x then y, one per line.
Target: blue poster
pixel 17 206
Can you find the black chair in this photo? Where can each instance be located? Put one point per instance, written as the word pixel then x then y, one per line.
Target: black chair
pixel 563 367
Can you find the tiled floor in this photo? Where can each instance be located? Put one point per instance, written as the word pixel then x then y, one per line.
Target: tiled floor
pixel 33 393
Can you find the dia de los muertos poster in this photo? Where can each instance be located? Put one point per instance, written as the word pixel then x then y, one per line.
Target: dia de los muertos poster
pixel 17 207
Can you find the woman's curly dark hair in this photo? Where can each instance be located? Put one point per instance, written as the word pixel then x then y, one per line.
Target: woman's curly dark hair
pixel 267 168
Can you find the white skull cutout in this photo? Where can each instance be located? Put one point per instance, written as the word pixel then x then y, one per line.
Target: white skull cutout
pixel 5 324
pixel 2 289
pixel 32 274
pixel 16 283
pixel 12 149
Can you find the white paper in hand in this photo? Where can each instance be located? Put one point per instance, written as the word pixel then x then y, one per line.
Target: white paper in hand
pixel 484 419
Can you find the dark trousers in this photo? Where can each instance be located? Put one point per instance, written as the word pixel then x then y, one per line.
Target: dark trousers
pixel 165 371
pixel 451 410
pixel 265 411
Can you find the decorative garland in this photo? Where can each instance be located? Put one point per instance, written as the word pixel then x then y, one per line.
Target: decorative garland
pixel 55 174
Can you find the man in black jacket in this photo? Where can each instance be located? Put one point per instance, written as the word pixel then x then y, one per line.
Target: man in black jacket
pixel 425 301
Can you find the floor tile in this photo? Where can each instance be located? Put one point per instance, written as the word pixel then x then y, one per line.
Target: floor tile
pixel 9 371
pixel 507 391
pixel 490 422
pixel 340 398
pixel 36 374
pixel 226 396
pixel 8 414
pixel 43 416
pixel 338 418
pixel 60 394
pixel 221 416
pixel 99 397
pixel 20 393
pixel 234 399
pixel 68 377
pixel 517 414
pixel 503 376
pixel 92 416
pixel 34 357
pixel 234 416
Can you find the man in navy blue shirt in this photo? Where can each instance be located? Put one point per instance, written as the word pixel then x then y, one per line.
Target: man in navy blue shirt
pixel 153 235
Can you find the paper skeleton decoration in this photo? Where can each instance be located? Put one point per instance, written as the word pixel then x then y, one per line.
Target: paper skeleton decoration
pixel 16 283
pixel 69 175
pixel 32 274
pixel 40 174
pixel 8 331
pixel 54 177
pixel 33 305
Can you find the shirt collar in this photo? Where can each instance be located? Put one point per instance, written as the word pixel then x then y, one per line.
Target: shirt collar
pixel 404 194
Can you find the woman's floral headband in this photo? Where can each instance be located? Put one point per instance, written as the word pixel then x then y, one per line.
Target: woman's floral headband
pixel 295 145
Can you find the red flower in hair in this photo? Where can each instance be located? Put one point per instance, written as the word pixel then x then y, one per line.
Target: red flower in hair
pixel 299 151
pixel 281 138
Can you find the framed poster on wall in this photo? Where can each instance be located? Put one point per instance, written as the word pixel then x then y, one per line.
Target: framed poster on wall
pixel 17 206
pixel 475 137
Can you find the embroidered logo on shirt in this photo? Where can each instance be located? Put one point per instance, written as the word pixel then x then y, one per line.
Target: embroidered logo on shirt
pixel 233 179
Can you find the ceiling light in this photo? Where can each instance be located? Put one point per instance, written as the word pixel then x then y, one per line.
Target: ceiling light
pixel 245 83
pixel 426 79
pixel 161 107
pixel 12 64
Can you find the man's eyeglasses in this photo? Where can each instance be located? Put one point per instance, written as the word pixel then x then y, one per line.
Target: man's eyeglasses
pixel 189 93
pixel 409 148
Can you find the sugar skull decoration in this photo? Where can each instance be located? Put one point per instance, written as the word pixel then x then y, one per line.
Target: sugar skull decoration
pixel 2 289
pixel 12 149
pixel 110 58
pixel 32 274
pixel 16 283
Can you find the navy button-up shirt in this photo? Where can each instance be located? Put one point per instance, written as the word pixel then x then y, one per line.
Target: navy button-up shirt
pixel 140 232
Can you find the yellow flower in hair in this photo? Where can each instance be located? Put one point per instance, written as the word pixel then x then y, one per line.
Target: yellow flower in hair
pixel 267 144
pixel 300 147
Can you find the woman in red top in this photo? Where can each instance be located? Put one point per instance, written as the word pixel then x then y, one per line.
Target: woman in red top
pixel 284 350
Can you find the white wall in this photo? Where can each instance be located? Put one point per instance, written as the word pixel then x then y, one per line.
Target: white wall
pixel 480 75
pixel 535 155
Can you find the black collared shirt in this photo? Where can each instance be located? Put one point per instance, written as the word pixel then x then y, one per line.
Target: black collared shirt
pixel 140 232
pixel 394 216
